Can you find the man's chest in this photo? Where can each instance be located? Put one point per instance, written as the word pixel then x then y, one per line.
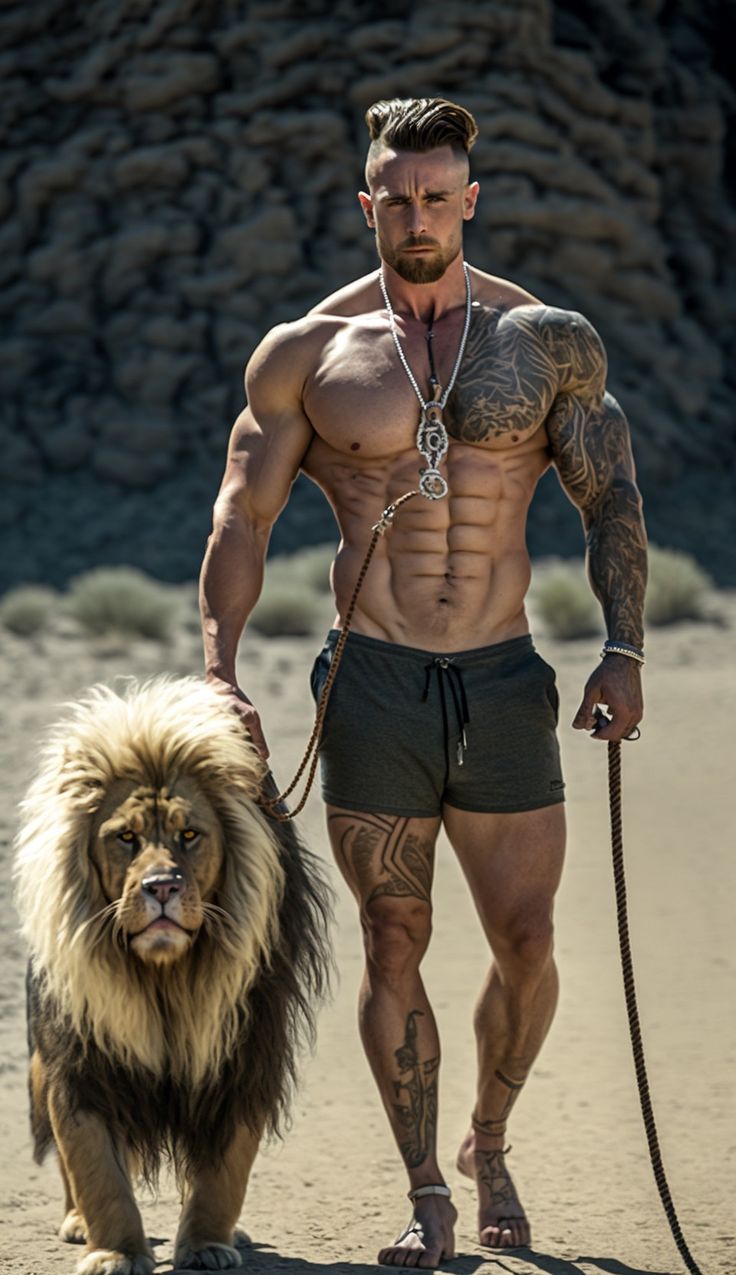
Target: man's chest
pixel 360 398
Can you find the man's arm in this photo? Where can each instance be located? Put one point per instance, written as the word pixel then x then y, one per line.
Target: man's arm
pixel 591 448
pixel 267 445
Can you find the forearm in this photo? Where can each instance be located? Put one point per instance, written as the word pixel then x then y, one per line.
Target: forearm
pixel 617 560
pixel 229 587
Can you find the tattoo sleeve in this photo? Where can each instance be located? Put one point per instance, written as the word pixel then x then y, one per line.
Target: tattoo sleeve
pixel 591 448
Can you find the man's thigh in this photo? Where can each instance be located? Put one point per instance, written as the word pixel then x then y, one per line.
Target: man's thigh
pixel 512 862
pixel 384 856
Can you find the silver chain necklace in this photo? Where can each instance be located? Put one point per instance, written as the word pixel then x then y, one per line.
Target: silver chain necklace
pixel 432 440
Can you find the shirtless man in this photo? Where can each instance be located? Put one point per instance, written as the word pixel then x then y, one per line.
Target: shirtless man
pixel 442 713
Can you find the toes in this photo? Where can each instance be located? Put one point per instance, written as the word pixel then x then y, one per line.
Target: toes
pixel 73 1229
pixel 512 1234
pixel 212 1257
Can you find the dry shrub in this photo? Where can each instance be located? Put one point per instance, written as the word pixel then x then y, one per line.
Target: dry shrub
pixel 287 608
pixel 26 609
pixel 564 601
pixel 122 600
pixel 677 587
pixel 294 593
pixel 311 565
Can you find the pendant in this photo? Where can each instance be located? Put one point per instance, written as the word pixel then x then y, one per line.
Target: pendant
pixel 432 443
pixel 432 484
pixel 431 434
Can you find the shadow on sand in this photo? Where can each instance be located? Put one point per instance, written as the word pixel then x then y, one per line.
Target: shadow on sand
pixel 263 1260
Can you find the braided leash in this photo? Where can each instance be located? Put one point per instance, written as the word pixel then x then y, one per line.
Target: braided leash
pixel 614 794
pixel 272 804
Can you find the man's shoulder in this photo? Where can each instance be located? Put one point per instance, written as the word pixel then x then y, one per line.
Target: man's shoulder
pixel 290 344
pixel 352 299
pixel 524 307
pixel 500 294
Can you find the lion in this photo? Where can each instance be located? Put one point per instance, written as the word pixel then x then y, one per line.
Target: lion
pixel 178 944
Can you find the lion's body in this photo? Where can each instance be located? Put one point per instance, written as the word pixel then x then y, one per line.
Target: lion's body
pixel 177 946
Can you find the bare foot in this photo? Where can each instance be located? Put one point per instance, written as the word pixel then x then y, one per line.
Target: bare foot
pixel 502 1222
pixel 428 1239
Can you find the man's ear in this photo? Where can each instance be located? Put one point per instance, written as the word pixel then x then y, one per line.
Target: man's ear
pixel 470 198
pixel 366 204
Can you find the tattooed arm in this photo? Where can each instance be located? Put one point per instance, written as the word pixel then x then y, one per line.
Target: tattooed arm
pixel 591 448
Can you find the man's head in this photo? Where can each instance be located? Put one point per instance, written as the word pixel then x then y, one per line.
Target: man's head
pixel 417 173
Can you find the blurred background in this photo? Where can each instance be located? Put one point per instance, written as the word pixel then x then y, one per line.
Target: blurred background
pixel 178 176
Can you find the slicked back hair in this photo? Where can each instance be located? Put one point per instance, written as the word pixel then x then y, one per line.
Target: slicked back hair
pixel 419 124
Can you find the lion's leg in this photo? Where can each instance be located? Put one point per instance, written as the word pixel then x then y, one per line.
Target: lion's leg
pixel 72 1228
pixel 97 1184
pixel 212 1204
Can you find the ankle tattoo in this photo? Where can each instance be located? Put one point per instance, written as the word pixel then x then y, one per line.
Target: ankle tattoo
pixel 492 1172
pixel 492 1128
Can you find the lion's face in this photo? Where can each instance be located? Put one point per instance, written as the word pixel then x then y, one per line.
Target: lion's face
pixel 158 853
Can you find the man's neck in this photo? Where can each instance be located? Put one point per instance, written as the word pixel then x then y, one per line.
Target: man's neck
pixel 427 301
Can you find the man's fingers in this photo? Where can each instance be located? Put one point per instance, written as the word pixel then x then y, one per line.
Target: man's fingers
pixel 251 721
pixel 585 718
pixel 614 729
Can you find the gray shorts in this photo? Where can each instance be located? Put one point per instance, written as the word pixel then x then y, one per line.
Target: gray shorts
pixel 408 730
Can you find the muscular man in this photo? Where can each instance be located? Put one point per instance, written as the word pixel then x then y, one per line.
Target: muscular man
pixel 442 713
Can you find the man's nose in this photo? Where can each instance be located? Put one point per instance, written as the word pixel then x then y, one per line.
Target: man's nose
pixel 162 883
pixel 416 219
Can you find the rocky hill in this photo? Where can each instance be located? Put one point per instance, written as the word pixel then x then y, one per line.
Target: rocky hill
pixel 181 175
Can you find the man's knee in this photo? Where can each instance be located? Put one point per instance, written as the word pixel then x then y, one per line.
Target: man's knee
pixel 396 934
pixel 525 940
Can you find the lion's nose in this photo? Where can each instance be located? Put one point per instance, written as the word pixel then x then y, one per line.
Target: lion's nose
pixel 163 884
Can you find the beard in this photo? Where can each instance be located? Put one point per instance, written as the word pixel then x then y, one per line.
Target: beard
pixel 418 269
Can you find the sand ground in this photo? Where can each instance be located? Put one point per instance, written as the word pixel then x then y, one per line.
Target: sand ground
pixel 326 1199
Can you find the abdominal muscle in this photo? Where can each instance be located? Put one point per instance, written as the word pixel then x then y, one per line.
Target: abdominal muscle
pixel 448 575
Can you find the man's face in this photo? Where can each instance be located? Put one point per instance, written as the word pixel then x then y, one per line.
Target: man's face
pixel 417 205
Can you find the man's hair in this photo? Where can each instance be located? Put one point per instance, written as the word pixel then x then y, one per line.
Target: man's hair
pixel 419 124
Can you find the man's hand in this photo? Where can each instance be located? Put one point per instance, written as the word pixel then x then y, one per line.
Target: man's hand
pixel 248 715
pixel 617 684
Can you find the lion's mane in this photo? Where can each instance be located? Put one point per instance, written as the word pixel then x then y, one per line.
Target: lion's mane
pixel 175 1057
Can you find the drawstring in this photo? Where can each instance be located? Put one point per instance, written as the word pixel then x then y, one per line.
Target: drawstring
pixel 444 664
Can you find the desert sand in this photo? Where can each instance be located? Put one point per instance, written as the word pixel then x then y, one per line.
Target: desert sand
pixel 332 1193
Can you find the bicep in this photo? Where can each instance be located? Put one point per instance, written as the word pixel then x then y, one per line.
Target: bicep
pixel 590 447
pixel 263 459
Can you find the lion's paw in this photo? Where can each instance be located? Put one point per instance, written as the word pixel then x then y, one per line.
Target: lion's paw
pixel 73 1229
pixel 213 1257
pixel 105 1261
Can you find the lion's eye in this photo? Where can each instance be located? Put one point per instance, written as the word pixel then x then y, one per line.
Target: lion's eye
pixel 127 837
pixel 189 835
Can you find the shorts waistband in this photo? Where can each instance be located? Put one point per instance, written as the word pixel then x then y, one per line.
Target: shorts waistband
pixel 476 655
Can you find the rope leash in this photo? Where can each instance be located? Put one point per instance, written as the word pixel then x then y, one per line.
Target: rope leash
pixel 272 804
pixel 632 1010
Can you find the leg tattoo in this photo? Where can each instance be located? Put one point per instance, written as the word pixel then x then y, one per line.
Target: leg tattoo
pixel 382 849
pixel 417 1117
pixel 490 1170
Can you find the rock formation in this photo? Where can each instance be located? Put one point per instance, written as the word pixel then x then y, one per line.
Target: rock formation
pixel 179 176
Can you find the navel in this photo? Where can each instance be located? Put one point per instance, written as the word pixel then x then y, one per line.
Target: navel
pixel 355 447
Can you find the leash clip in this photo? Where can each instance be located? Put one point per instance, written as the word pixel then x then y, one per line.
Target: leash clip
pixel 384 522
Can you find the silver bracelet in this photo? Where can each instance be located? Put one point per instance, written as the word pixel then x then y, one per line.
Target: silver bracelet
pixel 623 648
